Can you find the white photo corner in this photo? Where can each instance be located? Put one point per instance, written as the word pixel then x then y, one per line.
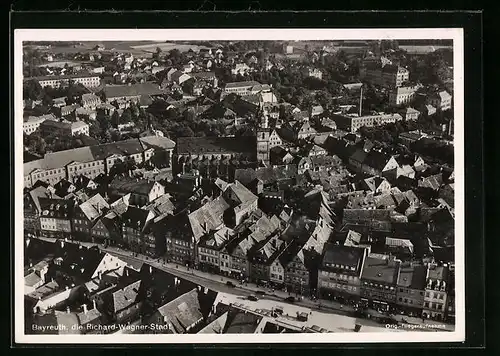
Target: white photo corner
pixel 249 183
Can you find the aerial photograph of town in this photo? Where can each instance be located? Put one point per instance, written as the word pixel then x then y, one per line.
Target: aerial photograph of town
pixel 238 187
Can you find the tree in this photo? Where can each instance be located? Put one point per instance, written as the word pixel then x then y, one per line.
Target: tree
pixel 157 53
pixel 95 130
pixel 115 119
pixel 33 90
pixel 126 116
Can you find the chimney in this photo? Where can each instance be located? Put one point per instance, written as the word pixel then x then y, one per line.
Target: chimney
pixel 361 101
pixel 94 304
pixel 84 307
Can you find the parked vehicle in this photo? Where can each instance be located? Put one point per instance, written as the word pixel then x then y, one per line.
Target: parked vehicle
pixel 253 298
pixel 290 299
pixel 260 292
pixel 230 284
pixel 302 316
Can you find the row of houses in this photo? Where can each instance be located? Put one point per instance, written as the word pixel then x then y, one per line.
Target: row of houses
pixel 92 161
pixel 109 295
pixel 383 282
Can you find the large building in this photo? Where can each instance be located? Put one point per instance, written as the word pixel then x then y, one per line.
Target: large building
pixel 76 128
pixel 32 123
pixel 340 271
pixel 411 286
pixel 388 76
pixel 379 279
pixel 440 100
pixel 142 191
pixel 56 81
pixel 354 123
pixel 124 94
pixel 245 88
pixel 402 95
pixel 212 154
pixel 92 161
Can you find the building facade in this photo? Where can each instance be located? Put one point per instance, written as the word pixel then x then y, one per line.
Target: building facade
pixel 436 292
pixel 88 80
pixel 379 281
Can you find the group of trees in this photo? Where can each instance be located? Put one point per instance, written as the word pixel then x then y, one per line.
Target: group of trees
pixel 389 135
pixel 51 143
pixel 390 132
pixel 433 68
pixel 33 90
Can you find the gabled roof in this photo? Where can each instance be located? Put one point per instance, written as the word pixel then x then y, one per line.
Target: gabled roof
pixel 93 207
pixel 40 192
pixel 380 270
pixel 241 322
pixel 126 296
pixel 208 217
pixel 183 311
pixel 161 205
pixel 376 160
pixel 126 184
pixel 207 145
pixel 374 182
pixel 347 256
pixel 136 217
pixel 240 192
pixel 241 84
pixel 115 91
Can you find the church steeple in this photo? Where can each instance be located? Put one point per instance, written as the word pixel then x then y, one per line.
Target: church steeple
pixel 263 134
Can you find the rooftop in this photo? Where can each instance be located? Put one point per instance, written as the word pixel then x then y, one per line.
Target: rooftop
pixel 216 145
pixel 380 270
pixel 412 277
pixel 346 256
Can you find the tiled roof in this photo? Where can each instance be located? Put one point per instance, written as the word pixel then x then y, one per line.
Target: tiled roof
pixel 157 142
pixel 207 218
pixel 216 326
pixel 183 312
pixel 273 174
pixel 242 84
pixel 348 256
pixel 56 208
pixel 412 277
pixel 241 322
pixel 31 279
pixel 89 316
pixel 135 217
pixel 216 145
pixel 126 184
pixel 94 207
pixel 114 91
pixel 125 297
pixel 241 192
pixel 380 270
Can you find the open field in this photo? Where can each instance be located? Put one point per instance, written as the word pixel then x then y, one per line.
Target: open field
pixel 166 46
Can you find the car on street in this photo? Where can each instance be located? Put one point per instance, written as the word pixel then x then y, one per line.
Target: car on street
pixel 253 298
pixel 230 284
pixel 290 299
pixel 260 292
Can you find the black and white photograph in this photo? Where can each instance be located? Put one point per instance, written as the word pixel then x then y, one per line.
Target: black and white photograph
pixel 235 186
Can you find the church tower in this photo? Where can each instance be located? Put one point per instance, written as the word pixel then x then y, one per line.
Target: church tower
pixel 263 133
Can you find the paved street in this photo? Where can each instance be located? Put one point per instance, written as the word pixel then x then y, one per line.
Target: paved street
pixel 341 316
